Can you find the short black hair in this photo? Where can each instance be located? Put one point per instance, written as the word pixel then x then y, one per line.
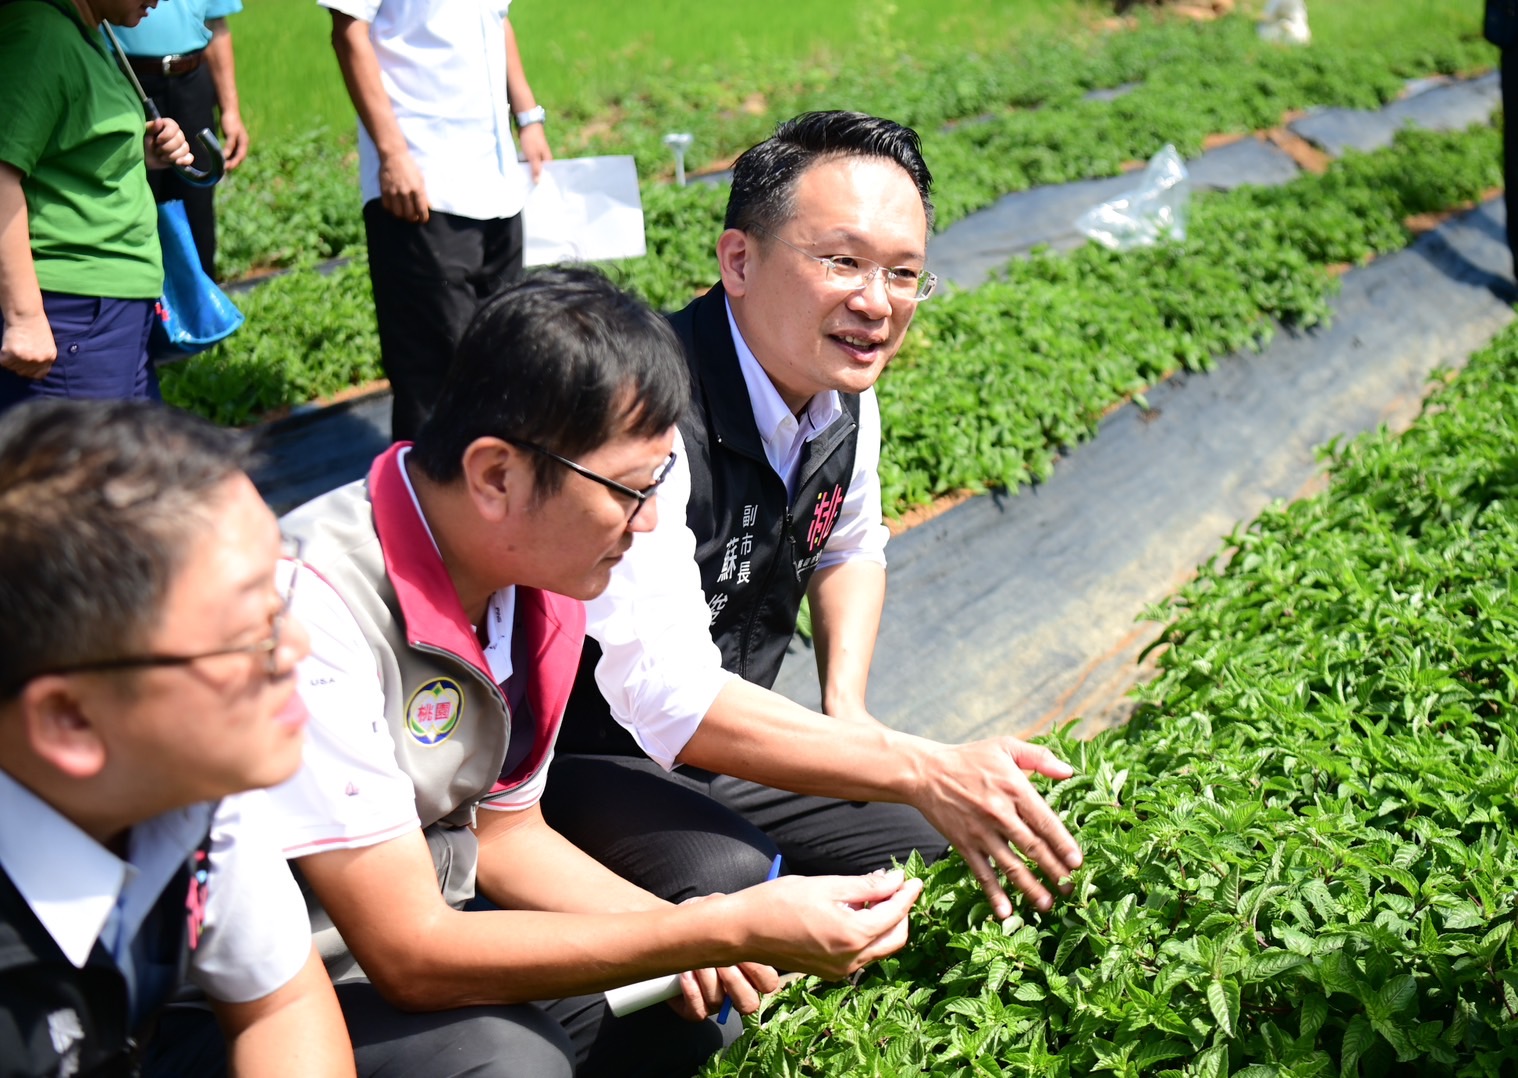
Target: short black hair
pixel 99 502
pixel 765 176
pixel 563 359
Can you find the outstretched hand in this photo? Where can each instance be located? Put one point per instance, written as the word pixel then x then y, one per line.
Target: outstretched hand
pixel 980 799
pixel 830 926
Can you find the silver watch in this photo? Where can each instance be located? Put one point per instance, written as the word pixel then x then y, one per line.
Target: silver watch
pixel 535 115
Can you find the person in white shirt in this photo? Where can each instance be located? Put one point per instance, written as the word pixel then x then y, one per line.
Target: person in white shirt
pixel 436 84
pixel 146 681
pixel 776 496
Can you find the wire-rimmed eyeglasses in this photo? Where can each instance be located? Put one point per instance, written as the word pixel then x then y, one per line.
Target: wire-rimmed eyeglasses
pixel 852 273
pixel 269 646
pixel 638 496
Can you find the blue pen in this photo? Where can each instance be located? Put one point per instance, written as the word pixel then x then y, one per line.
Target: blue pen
pixel 727 1001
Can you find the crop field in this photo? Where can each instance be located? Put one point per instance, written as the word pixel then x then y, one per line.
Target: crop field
pixel 1299 852
pixel 1300 855
pixel 582 56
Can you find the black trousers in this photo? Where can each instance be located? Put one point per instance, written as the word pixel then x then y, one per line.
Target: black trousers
pixel 566 1038
pixel 429 280
pixel 691 832
pixel 190 101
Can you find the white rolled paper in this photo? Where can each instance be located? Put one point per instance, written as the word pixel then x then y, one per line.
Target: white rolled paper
pixel 634 997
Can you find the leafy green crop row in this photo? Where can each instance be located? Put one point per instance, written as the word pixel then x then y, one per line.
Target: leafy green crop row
pixel 293 201
pixel 308 336
pixel 992 382
pixel 1299 854
pixel 992 124
pixel 1020 121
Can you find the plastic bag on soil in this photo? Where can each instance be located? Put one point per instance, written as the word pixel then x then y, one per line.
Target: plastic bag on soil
pixel 1155 210
pixel 1285 21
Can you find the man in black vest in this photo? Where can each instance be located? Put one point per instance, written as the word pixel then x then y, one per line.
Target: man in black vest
pixel 146 679
pixel 822 266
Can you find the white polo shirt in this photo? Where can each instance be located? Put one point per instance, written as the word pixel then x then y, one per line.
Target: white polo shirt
pixel 443 66
pixel 660 670
pixel 255 937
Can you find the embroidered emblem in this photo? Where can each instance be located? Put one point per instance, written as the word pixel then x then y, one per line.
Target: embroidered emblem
pixel 195 901
pixel 823 518
pixel 433 711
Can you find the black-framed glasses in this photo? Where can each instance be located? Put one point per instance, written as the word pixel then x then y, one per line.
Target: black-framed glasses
pixel 269 646
pixel 638 496
pixel 851 273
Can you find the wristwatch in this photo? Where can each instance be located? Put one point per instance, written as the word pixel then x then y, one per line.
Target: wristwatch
pixel 535 115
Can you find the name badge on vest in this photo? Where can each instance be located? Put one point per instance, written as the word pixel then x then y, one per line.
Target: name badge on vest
pixel 434 710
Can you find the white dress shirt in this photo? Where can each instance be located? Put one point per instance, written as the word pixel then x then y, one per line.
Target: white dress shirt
pixel 255 937
pixel 443 66
pixel 659 669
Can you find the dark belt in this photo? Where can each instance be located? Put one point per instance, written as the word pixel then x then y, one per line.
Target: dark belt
pixel 178 64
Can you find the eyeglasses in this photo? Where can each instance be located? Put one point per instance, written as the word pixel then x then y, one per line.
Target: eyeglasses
pixel 269 646
pixel 851 273
pixel 638 496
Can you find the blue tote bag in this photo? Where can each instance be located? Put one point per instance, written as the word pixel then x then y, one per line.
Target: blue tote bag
pixel 193 314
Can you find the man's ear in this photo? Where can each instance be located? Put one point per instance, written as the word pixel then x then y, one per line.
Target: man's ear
pixel 496 473
pixel 57 729
pixel 735 252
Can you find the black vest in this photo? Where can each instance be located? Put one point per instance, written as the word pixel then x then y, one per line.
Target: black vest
pixel 756 551
pixel 50 1011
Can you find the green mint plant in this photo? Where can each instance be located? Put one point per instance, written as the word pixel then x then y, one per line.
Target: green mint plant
pixel 1299 853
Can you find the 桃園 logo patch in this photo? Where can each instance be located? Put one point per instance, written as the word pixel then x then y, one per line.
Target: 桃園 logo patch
pixel 434 710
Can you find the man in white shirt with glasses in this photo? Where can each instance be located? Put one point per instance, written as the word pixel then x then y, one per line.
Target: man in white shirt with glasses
pixel 705 774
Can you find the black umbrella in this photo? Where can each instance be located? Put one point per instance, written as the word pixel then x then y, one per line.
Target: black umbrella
pixel 209 143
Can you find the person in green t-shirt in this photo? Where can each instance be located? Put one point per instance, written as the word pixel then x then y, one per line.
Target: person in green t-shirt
pixel 80 268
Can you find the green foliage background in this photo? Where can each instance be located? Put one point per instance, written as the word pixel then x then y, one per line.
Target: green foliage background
pixel 991 383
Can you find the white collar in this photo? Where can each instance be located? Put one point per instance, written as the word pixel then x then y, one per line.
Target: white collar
pixel 770 411
pixel 500 614
pixel 73 883
pixel 69 880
